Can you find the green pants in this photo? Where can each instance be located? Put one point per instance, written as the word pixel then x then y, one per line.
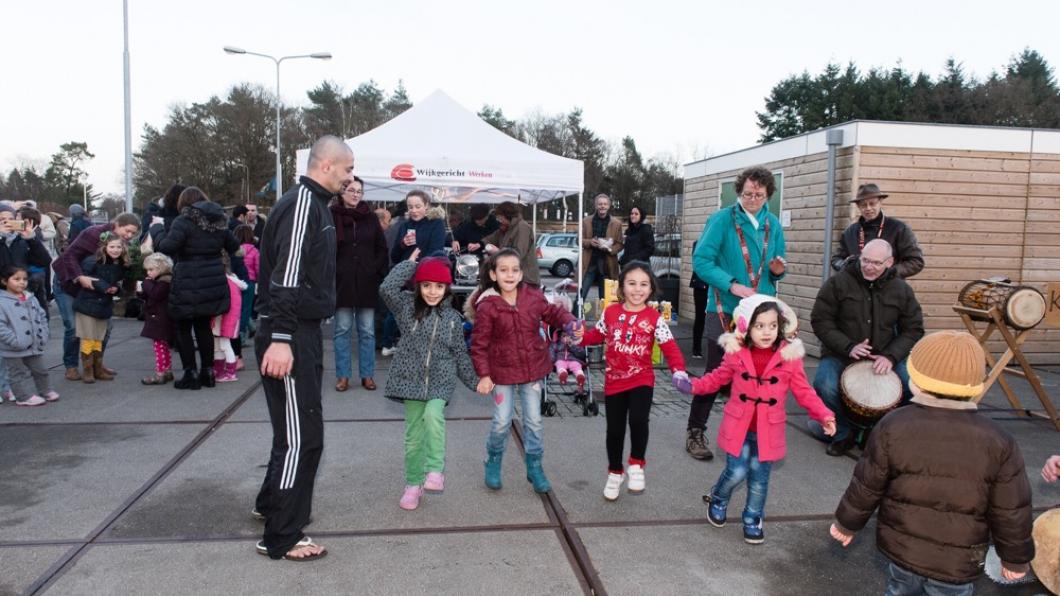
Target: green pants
pixel 424 439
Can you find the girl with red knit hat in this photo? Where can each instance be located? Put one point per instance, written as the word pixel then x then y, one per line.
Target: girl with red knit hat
pixel 432 355
pixel 763 360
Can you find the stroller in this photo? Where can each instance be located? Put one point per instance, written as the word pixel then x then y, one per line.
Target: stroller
pixel 571 377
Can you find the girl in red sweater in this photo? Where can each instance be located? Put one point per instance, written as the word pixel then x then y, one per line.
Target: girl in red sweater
pixel 512 358
pixel 630 329
pixel 761 370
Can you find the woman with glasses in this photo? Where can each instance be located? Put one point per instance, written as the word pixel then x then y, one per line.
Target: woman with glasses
pixel 361 264
pixel 740 253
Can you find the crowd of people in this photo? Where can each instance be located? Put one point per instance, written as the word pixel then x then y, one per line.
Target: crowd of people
pixel 212 281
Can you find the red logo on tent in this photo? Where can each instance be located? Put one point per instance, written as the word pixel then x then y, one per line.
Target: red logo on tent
pixel 403 172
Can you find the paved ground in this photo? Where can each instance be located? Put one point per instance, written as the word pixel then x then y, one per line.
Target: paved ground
pixel 125 489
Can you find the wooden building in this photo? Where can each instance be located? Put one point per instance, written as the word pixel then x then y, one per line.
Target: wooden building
pixel 983 201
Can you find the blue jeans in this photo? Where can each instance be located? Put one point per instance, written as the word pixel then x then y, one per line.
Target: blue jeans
pixel 826 384
pixel 593 275
pixel 736 470
pixel 390 329
pixel 529 394
pixel 344 318
pixel 65 303
pixel 902 582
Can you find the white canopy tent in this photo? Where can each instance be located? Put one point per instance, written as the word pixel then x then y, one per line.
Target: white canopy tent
pixel 440 147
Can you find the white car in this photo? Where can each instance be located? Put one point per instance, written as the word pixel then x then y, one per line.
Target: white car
pixel 557 253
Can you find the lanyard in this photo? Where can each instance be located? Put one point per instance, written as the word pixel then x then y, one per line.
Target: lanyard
pixel 861 233
pixel 754 277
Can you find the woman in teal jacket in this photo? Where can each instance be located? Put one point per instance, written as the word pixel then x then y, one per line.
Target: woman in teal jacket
pixel 719 260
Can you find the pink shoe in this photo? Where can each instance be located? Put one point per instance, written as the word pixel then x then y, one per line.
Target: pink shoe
pixel 581 381
pixel 411 499
pixel 563 377
pixel 435 482
pixel 228 373
pixel 51 396
pixel 33 400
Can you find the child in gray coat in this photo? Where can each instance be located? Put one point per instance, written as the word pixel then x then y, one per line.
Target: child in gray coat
pixel 431 356
pixel 23 336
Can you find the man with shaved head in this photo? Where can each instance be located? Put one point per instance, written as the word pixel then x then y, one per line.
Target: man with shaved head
pixel 296 292
pixel 864 312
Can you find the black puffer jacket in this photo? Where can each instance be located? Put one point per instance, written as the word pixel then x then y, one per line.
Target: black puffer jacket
pixel 946 480
pixel 849 310
pixel 639 245
pixel 195 242
pixel 97 302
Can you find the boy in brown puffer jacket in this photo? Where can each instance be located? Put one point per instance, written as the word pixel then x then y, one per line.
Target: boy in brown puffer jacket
pixel 946 480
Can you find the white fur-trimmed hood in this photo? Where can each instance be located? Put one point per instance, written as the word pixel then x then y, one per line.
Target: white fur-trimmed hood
pixel 791 349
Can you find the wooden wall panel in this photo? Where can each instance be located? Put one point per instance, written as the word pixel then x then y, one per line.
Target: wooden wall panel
pixel 976 214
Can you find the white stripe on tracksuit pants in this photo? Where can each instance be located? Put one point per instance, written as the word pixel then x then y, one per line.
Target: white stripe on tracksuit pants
pixel 298 436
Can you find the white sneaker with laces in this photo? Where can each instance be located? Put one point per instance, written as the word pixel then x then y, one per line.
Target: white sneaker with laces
pixel 636 479
pixel 613 486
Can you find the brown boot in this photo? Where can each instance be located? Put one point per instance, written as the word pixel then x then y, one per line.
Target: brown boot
pixel 72 374
pixel 99 369
pixel 88 376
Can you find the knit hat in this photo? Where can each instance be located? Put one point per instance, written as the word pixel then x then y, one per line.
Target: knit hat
pixel 741 319
pixel 76 210
pixel 949 364
pixel 434 269
pixel 7 206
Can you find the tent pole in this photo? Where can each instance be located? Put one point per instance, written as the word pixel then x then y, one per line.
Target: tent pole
pixel 581 301
pixel 534 207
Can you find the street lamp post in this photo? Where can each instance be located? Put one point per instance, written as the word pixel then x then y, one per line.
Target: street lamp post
pixel 277 61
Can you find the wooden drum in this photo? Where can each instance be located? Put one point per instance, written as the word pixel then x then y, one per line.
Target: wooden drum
pixel 867 396
pixel 1023 307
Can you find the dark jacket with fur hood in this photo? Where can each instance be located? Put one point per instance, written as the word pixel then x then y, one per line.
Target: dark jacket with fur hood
pixel 195 242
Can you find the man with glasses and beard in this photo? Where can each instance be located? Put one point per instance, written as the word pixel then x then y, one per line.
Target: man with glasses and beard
pixel 908 258
pixel 866 311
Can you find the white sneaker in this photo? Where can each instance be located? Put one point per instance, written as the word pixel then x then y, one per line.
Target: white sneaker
pixel 613 486
pixel 388 352
pixel 636 479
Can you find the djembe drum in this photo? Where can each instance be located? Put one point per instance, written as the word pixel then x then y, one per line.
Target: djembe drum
pixel 1023 307
pixel 867 396
pixel 1046 563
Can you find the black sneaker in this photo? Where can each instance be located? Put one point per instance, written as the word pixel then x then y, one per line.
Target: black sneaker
pixel 753 533
pixel 840 447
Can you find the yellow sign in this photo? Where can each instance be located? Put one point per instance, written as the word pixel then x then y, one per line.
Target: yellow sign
pixel 1052 304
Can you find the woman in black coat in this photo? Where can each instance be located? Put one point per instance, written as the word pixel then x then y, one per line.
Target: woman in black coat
pixel 199 290
pixel 640 239
pixel 362 263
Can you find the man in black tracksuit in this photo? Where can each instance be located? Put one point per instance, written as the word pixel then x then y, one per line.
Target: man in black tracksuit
pixel 296 292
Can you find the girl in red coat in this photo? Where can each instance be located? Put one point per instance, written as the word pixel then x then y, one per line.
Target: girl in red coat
pixel 512 359
pixel 762 371
pixel 630 329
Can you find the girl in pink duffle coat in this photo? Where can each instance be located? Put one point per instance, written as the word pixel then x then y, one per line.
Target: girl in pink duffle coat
pixel 763 360
pixel 225 328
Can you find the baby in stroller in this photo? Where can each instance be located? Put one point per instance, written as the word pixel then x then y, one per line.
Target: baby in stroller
pixel 568 357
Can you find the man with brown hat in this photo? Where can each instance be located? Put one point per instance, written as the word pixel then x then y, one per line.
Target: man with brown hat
pixel 947 481
pixel 908 258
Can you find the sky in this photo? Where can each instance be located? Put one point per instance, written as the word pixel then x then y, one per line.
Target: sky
pixel 684 79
